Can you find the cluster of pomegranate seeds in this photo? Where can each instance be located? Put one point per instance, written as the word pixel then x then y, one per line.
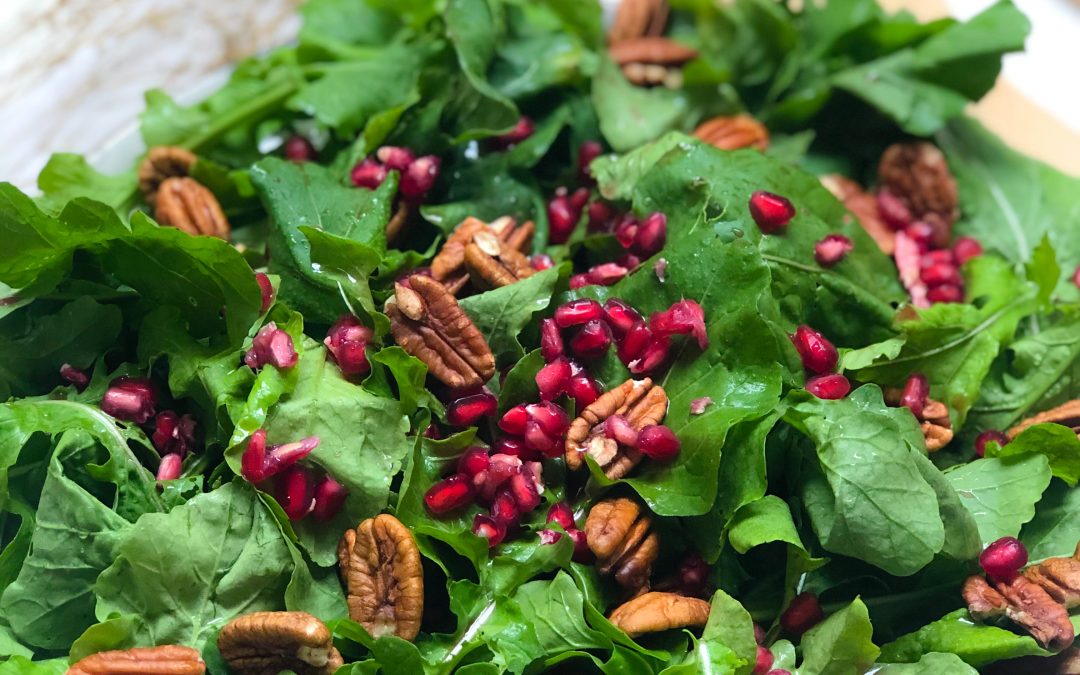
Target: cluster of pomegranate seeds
pixel 267 290
pixel 564 212
pixel 1003 559
pixel 418 174
pixel 802 614
pixel 295 486
pixel 521 131
pixel 347 342
pixel 989 436
pixel 832 249
pixel 299 149
pixel 173 434
pixel 131 399
pixel 260 461
pixel 271 346
pixel 588 151
pixel 76 377
pixel 468 410
pixel 820 357
pixel 561 514
pixel 771 212
pixel 658 442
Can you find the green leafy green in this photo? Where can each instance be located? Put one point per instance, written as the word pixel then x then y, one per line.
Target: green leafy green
pixel 1001 493
pixel 1058 443
pixel 955 633
pixel 840 644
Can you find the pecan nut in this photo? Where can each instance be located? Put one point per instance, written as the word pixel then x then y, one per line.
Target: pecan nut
pixel 380 565
pixel 492 264
pixel 640 401
pixel 427 322
pixel 161 163
pixel 185 204
pixel 863 206
pixel 448 266
pixel 163 660
pixel 396 225
pixel 1066 414
pixel 1060 577
pixel 619 535
pixel 655 611
pixel 734 132
pixel 918 175
pixel 265 643
pixel 933 420
pixel 637 19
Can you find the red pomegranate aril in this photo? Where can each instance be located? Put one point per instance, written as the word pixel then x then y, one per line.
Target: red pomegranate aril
pixel 779 671
pixel 501 468
pixel 1076 277
pixel 513 421
pixel 771 212
pixel 916 391
pixel 698 405
pixel 1003 559
pixel 131 399
pixel 577 312
pixel 620 316
pixel 504 509
pixel 921 233
pixel 685 317
pixel 419 177
pixel 271 346
pixel 582 553
pixel 486 527
pixel 945 293
pixel 818 355
pixel 541 262
pixel 368 174
pixel 626 230
pixel 759 633
pixel 169 468
pixel 551 418
pixel 549 536
pixel 588 151
pixel 467 410
pixel 893 211
pixel 298 149
pixel 989 436
pixel 473 461
pixel 515 447
pixel 764 661
pixel 395 158
pixel 599 214
pixel 633 344
pixel 551 342
pixel 578 199
pixel 525 491
pixel 966 248
pixel 267 290
pixel 449 494
pixel 940 274
pixel 651 235
pixel 521 131
pixel 539 440
pixel 606 274
pixel 579 281
pixel 693 573
pixel 173 433
pixel 296 492
pixel 629 261
pixel 260 462
pixel 941 256
pixel 433 432
pixel 832 249
pixel 561 513
pixel 652 357
pixel 829 387
pixel 658 442
pixel 552 379
pixel 802 614
pixel 76 377
pixel 561 219
pixel 592 340
pixel 329 498
pixel 619 429
pixel 583 389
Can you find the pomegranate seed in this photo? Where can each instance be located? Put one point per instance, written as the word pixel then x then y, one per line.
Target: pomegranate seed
pixel 561 219
pixel 578 199
pixel 698 405
pixel 549 536
pixel 467 410
pixel 582 553
pixel 893 211
pixel 945 293
pixel 473 461
pixel 271 346
pixel 588 151
pixel 629 261
pixel 817 353
pixel 296 492
pixel 449 494
pixel 513 422
pixel 552 379
pixel 771 212
pixel 419 177
pixel 1003 559
pixel 620 317
pixel 347 342
pixel 659 268
pixel 260 462
pixel 685 317
pixel 579 281
pixel 551 342
pixel 916 391
pixel 525 492
pixel 832 249
pixel 779 671
pixel 966 248
pixel 298 149
pixel 504 509
pixel 653 357
pixel 921 233
pixel 635 342
pixel 940 274
pixel 486 527
pixel 988 436
pixel 131 399
pixel 651 235
pixel 618 429
pixel 515 447
pixel 329 498
pixel 764 661
pixel 173 434
pixel 599 214
pixel 658 442
pixel 395 158
pixel 267 290
pixel 693 574
pixel 626 230
pixel 551 418
pixel 942 256
pixel 592 340
pixel 830 387
pixel 759 633
pixel 802 614
pixel 577 312
pixel 606 274
pixel 169 468
pixel 76 377
pixel 501 468
pixel 561 513
pixel 521 131
pixel 368 174
pixel 432 432
pixel 541 261
pixel 583 389
pixel 539 440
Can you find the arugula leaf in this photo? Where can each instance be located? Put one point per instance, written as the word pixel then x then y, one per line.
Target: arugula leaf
pixel 631 116
pixel 502 313
pixel 67 176
pixel 1001 493
pixel 555 609
pixel 934 663
pixel 338 27
pixel 765 520
pixel 20 665
pixel 1055 529
pixel 1058 443
pixel 840 644
pixel 955 633
pixel 472 27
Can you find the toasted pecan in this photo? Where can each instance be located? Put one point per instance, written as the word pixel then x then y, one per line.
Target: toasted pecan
pixel 1067 414
pixel 163 660
pixel 640 401
pixel 638 18
pixel 655 611
pixel 163 162
pixel 185 204
pixel 264 643
pixel 733 132
pixel 620 537
pixel 918 175
pixel 658 51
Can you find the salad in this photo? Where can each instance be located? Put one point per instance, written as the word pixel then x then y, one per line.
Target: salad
pixel 479 336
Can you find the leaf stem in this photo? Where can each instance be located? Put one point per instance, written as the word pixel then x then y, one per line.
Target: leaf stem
pixel 252 108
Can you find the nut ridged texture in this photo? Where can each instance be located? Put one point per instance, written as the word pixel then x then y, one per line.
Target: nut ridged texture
pixel 495 271
pixel 652 50
pixel 918 175
pixel 185 204
pixel 1066 414
pixel 656 611
pixel 638 18
pixel 265 643
pixel 640 401
pixel 162 162
pixel 163 660
pixel 448 266
pixel 380 565
pixel 734 132
pixel 619 536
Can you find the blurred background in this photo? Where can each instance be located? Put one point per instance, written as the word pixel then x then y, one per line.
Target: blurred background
pixel 72 72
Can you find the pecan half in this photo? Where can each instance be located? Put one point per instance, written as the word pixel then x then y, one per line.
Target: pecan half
pixel 1066 414
pixel 1060 577
pixel 427 322
pixel 1025 603
pixel 448 266
pixel 380 565
pixel 638 18
pixel 863 206
pixel 655 50
pixel 397 222
pixel 492 264
pixel 162 162
pixel 918 175
pixel 640 401
pixel 654 612
pixel 618 533
pixel 185 204
pixel 933 420
pixel 265 643
pixel 734 132
pixel 163 660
